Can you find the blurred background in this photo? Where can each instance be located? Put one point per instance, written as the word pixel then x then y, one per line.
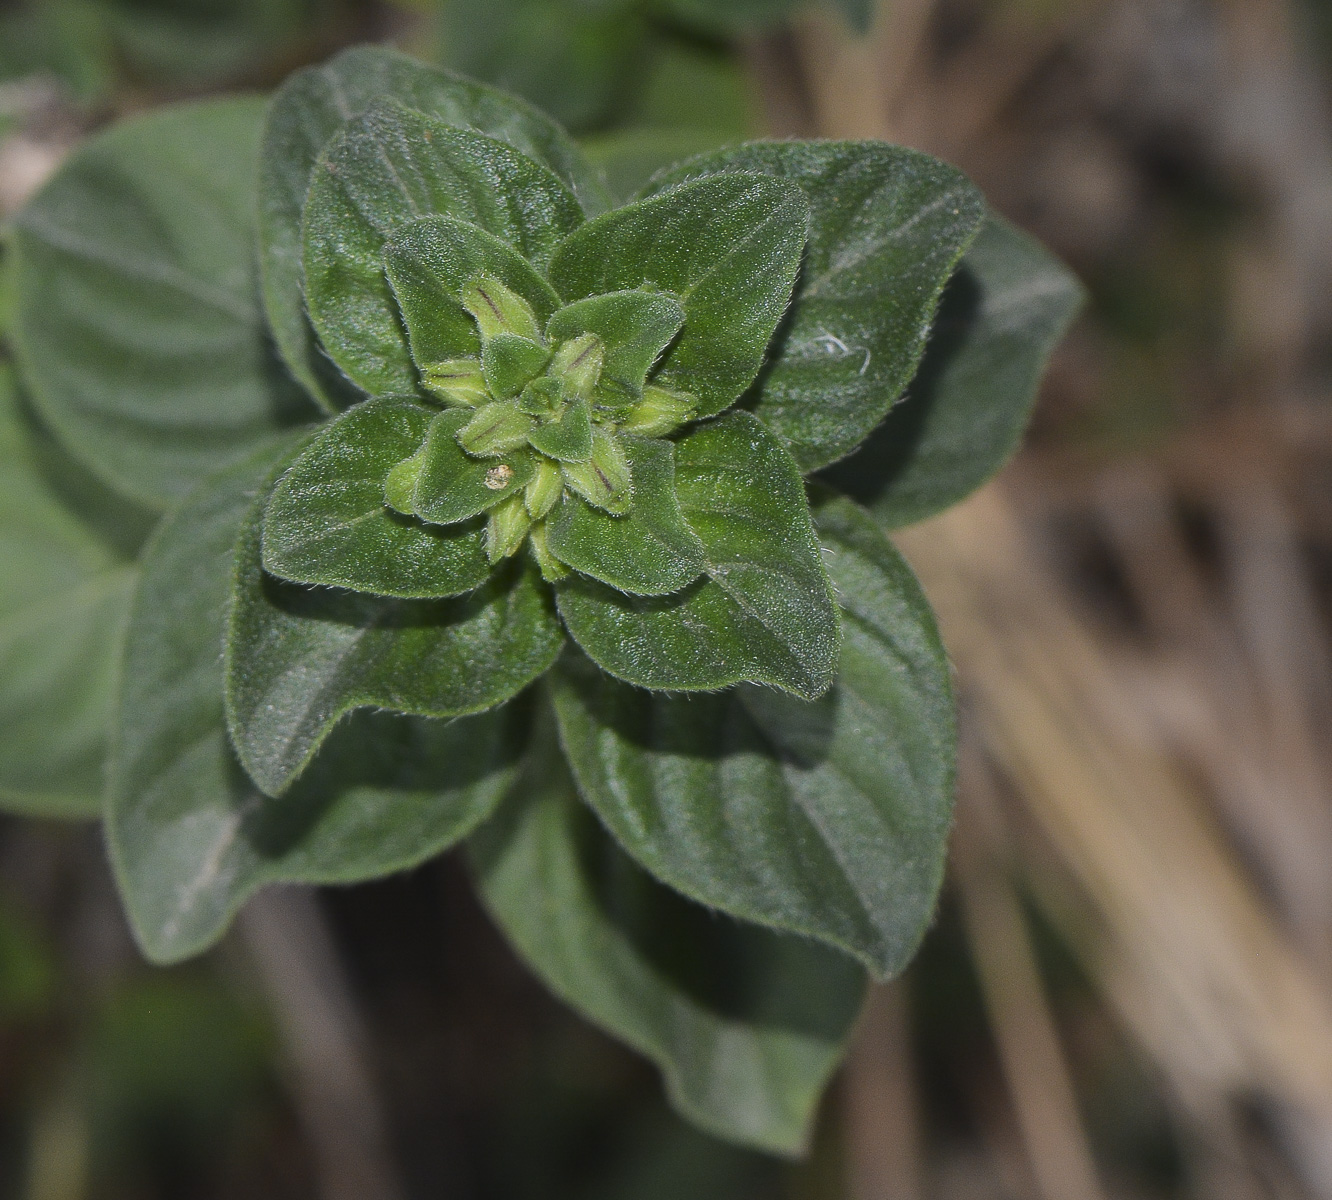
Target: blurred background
pixel 1128 989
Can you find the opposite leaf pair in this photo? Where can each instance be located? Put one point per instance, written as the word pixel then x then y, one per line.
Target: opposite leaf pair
pixel 566 353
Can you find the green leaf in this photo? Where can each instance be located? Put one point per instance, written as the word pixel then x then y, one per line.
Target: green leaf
pixel 453 486
pixel 304 115
pixel 139 326
pixel 727 248
pixel 573 60
pixel 828 819
pixel 1001 316
pixel 497 428
pixel 746 1025
pixel 887 227
pixel 511 362
pixel 567 435
pixel 650 551
pixel 634 327
pixel 763 612
pixel 430 264
pixel 327 521
pixel 387 168
pixel 190 837
pixel 604 479
pixel 297 660
pixel 64 595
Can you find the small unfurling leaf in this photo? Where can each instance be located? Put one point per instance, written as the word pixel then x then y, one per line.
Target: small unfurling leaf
pixel 567 435
pixel 604 479
pixel 511 362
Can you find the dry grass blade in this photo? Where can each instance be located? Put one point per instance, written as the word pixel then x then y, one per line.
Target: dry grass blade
pixel 1034 1066
pixel 324 1042
pixel 878 1091
pixel 1195 960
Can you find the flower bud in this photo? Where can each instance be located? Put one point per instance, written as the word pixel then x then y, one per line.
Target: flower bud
pixel 604 479
pixel 506 528
pixel 457 381
pixel 661 411
pixel 498 309
pixel 544 489
pixel 578 362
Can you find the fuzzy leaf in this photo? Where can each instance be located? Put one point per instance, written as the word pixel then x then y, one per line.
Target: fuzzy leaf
pixel 430 263
pixel 388 167
pixel 327 521
pixel 64 596
pixel 727 248
pixel 304 115
pixel 566 436
pixel 828 819
pixel 190 837
pixel 649 551
pixel 453 486
pixel 746 1025
pixel 498 428
pixel 963 416
pixel 887 227
pixel 511 362
pixel 603 479
pixel 297 660
pixel 763 611
pixel 139 327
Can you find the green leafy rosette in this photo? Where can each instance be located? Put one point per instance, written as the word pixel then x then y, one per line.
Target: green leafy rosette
pixel 486 515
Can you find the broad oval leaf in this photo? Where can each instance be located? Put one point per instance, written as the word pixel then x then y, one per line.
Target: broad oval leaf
pixel 727 248
pixel 887 228
pixel 745 1024
pixel 763 611
pixel 190 837
pixel 1001 316
pixel 139 326
pixel 299 659
pixel 327 521
pixel 650 550
pixel 388 167
pixel 64 596
pixel 430 262
pixel 302 118
pixel 828 819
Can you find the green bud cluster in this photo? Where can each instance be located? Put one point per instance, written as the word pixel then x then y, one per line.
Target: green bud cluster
pixel 540 415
